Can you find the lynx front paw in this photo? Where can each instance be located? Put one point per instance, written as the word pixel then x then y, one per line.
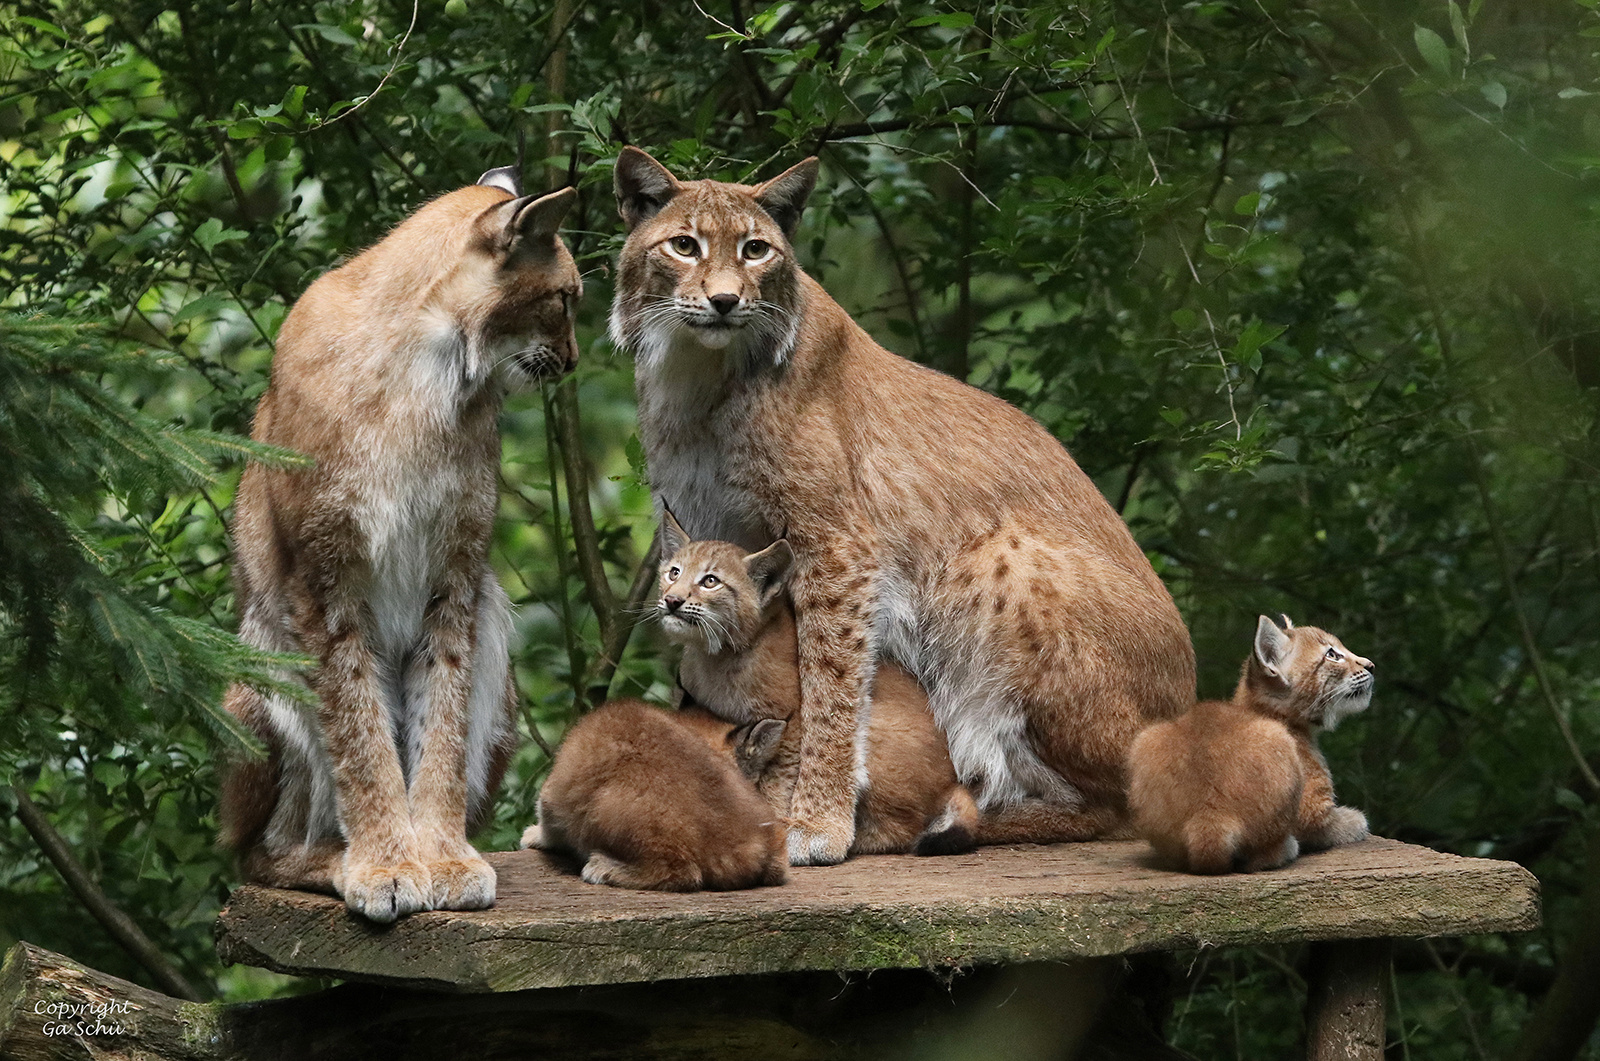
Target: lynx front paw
pixel 602 869
pixel 462 884
pixel 384 893
pixel 818 847
pixel 532 837
pixel 1348 826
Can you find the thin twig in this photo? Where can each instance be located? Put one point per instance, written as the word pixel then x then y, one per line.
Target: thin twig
pixel 399 50
pixel 628 618
pixel 580 516
pixel 128 935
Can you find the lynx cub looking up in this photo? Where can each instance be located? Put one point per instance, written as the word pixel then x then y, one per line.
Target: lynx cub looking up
pixel 390 372
pixel 652 799
pixel 932 524
pixel 1240 784
pixel 733 618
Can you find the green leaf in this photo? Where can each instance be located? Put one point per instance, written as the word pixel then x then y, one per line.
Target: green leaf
pixel 212 233
pixel 1247 204
pixel 1495 93
pixel 1458 28
pixel 1435 52
pixel 331 34
pixel 1572 93
pixel 948 20
pixel 1569 799
pixel 205 305
pixel 41 25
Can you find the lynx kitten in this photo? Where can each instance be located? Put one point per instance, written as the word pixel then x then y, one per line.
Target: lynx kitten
pixel 1240 784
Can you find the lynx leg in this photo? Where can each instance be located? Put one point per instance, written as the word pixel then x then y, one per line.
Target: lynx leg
pixel 461 880
pixel 1322 823
pixel 1279 854
pixel 1211 843
pixel 382 877
pixel 1034 821
pixel 832 604
pixel 648 876
pixel 308 867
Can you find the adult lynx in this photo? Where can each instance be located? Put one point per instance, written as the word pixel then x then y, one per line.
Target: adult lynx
pixel 389 372
pixel 932 523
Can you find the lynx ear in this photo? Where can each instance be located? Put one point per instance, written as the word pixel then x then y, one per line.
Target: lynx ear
pixel 758 743
pixel 505 178
pixel 643 186
pixel 673 537
pixel 784 196
pixel 1272 647
pixel 769 569
pixel 534 219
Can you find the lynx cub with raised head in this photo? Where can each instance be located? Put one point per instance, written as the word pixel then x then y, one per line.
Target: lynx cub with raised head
pixel 730 612
pixel 932 524
pixel 1240 784
pixel 390 372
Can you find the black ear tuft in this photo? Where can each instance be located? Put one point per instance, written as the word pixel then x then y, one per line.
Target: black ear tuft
pixel 769 569
pixel 673 537
pixel 643 186
pixel 507 178
pixel 784 196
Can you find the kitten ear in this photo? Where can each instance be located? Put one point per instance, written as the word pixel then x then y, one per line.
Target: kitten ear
pixel 758 743
pixel 505 178
pixel 643 186
pixel 534 219
pixel 769 569
pixel 673 537
pixel 1272 647
pixel 784 196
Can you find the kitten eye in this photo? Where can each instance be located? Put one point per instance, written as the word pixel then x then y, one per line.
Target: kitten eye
pixel 687 246
pixel 1334 654
pixel 710 581
pixel 756 249
pixel 674 573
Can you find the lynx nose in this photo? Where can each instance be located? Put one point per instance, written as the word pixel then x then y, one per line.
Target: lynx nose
pixel 672 603
pixel 724 304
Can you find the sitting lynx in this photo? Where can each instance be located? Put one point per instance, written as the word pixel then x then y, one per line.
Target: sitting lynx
pixel 652 799
pixel 390 371
pixel 1240 784
pixel 729 611
pixel 932 524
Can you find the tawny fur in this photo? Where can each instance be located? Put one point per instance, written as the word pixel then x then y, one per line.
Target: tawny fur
pixel 390 373
pixel 1240 784
pixel 648 799
pixel 730 612
pixel 932 524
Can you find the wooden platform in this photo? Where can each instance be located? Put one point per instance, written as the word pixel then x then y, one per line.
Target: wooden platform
pixel 998 905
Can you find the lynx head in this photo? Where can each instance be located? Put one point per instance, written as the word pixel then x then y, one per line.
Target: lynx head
pixel 1302 674
pixel 714 595
pixel 707 264
pixel 494 280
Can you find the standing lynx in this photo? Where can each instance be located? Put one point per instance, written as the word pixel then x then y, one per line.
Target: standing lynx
pixel 389 372
pixel 932 524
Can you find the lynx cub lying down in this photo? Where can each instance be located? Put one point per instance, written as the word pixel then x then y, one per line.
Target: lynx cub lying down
pixel 730 611
pixel 604 803
pixel 1240 784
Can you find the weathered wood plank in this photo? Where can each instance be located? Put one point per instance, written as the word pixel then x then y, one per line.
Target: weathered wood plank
pixel 997 905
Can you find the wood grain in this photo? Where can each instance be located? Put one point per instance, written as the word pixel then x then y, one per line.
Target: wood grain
pixel 1005 904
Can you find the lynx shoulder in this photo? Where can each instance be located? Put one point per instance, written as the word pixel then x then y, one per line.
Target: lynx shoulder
pixel 931 523
pixel 1240 784
pixel 389 373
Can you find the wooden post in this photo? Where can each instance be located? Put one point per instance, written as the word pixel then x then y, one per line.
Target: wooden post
pixel 1344 1000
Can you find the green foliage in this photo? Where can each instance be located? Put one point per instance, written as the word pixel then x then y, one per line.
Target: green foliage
pixel 1307 289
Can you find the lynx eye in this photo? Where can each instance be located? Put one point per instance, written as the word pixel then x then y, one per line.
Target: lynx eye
pixel 686 246
pixel 756 249
pixel 710 581
pixel 1334 654
pixel 673 573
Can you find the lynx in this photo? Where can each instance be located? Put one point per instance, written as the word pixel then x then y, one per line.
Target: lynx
pixel 730 613
pixel 389 372
pixel 932 524
pixel 1240 784
pixel 652 799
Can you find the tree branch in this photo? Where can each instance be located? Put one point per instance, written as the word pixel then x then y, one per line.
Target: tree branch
pixel 627 618
pixel 121 928
pixel 580 517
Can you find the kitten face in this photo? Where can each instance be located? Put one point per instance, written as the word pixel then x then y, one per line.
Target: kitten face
pixel 714 595
pixel 1307 674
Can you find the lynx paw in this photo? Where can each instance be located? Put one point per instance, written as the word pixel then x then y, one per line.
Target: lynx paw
pixel 532 836
pixel 1348 826
pixel 462 884
pixel 809 847
pixel 384 893
pixel 601 869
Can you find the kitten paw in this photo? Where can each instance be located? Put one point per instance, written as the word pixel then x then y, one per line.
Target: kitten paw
pixel 532 836
pixel 816 848
pixel 385 893
pixel 1348 826
pixel 462 884
pixel 601 869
